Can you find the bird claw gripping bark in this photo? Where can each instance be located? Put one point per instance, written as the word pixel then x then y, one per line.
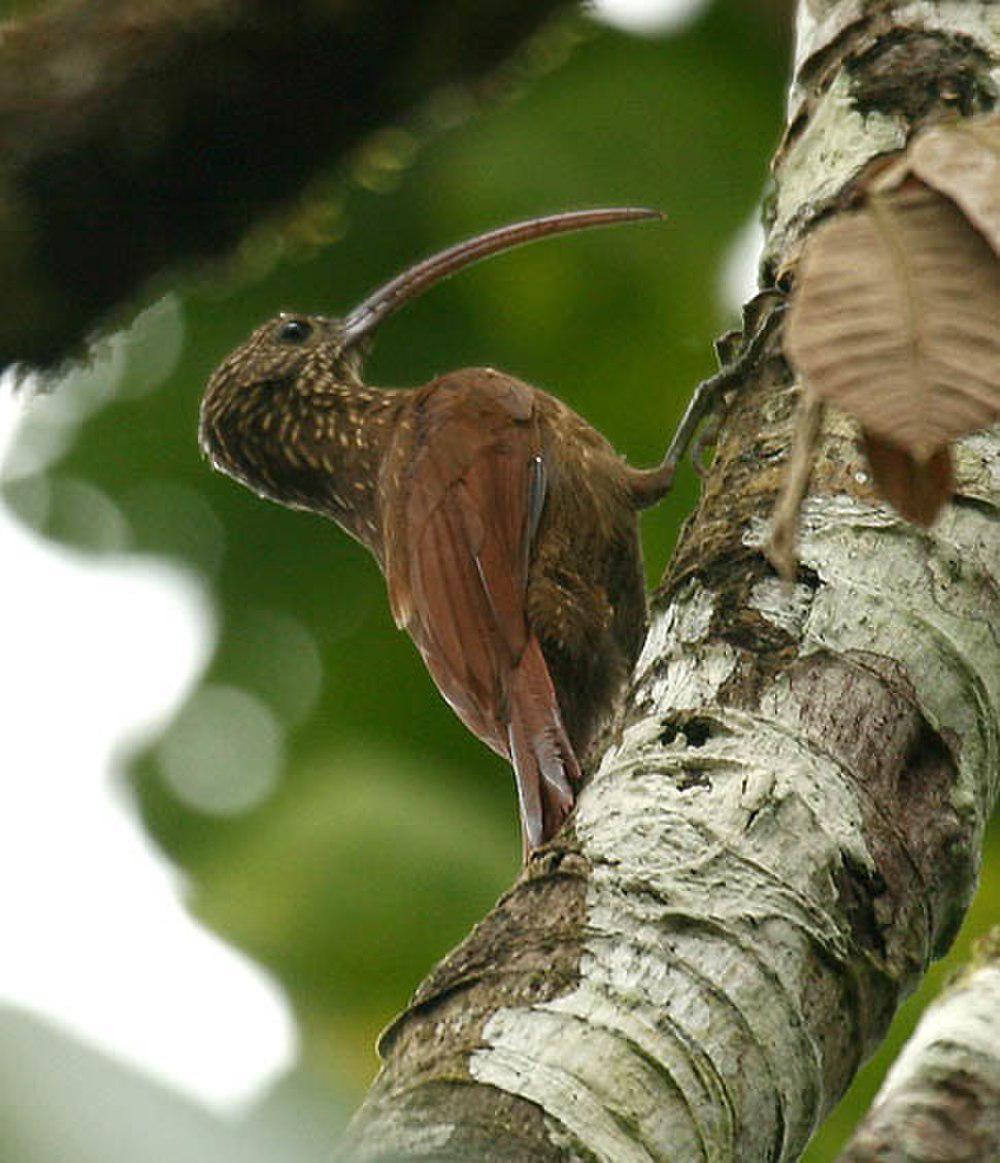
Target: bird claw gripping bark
pixel 738 352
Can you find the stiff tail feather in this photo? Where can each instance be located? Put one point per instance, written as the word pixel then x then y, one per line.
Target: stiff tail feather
pixel 545 767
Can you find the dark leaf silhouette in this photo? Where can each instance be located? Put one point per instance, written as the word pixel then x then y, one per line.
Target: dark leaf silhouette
pixel 917 489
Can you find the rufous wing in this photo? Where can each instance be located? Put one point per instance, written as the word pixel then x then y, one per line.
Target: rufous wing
pixel 462 515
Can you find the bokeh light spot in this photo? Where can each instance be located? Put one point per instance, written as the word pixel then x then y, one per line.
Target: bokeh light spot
pixel 223 753
pixel 647 16
pixel 153 346
pixel 278 658
pixel 175 520
pixel 70 511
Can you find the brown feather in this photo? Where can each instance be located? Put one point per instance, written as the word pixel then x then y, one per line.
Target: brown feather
pixel 504 523
pixel 458 573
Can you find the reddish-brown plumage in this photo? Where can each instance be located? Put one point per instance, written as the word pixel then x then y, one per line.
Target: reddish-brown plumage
pixel 505 526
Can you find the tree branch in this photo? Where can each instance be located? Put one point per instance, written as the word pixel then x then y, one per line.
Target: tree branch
pixel 941 1099
pixel 139 137
pixel 786 827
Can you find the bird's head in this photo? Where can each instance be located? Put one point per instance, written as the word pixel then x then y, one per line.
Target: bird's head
pixel 296 381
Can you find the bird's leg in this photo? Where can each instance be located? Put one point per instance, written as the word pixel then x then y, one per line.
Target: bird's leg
pixel 705 440
pixel 649 485
pixel 709 393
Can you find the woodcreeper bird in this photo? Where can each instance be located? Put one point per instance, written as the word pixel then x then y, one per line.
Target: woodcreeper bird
pixel 504 523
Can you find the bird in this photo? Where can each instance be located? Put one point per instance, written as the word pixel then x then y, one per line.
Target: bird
pixel 504 523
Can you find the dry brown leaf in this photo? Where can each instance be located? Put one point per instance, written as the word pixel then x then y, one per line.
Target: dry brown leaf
pixel 917 490
pixel 896 319
pixel 962 161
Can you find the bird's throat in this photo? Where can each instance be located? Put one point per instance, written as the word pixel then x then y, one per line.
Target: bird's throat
pixel 317 450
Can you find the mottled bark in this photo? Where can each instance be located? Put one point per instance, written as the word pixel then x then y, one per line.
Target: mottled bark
pixel 941 1100
pixel 786 825
pixel 139 136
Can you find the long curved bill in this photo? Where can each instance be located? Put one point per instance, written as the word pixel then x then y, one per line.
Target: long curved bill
pixel 381 303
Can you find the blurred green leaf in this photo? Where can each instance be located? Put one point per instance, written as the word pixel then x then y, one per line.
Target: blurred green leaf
pixel 373 870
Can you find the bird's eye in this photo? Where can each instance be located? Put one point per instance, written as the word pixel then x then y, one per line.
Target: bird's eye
pixel 294 331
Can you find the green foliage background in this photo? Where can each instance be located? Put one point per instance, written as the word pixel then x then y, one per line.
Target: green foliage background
pixel 392 830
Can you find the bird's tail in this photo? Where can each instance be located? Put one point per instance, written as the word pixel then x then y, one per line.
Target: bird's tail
pixel 545 767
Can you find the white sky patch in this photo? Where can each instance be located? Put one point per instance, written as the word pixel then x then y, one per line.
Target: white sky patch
pixel 738 272
pixel 648 16
pixel 98 652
